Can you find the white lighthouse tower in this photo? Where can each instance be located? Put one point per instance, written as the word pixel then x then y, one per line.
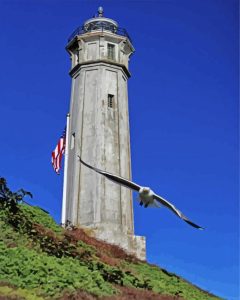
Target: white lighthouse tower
pixel 98 131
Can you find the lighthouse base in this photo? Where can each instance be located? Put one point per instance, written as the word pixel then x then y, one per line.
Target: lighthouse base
pixel 132 244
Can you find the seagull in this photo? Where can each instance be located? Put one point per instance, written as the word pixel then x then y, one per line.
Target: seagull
pixel 146 196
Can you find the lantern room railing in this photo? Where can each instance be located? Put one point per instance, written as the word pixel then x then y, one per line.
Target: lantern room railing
pixel 99 26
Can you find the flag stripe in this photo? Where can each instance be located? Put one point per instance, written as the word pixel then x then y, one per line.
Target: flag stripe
pixel 58 152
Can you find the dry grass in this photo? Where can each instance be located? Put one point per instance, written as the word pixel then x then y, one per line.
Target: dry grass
pixel 126 293
pixel 110 254
pixel 80 295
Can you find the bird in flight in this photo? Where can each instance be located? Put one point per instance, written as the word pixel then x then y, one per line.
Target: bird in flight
pixel 146 195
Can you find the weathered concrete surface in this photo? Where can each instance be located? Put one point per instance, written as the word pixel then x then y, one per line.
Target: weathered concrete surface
pixel 131 243
pixel 100 134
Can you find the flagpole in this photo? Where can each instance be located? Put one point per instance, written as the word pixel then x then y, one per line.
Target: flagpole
pixel 64 199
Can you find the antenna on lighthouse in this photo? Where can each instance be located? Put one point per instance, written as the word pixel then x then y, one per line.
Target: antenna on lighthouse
pixel 100 11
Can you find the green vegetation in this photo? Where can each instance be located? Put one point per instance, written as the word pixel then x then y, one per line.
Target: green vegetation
pixel 40 260
pixel 48 275
pixel 12 293
pixel 37 215
pixel 169 283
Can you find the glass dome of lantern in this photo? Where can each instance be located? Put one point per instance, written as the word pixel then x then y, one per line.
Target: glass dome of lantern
pixel 99 24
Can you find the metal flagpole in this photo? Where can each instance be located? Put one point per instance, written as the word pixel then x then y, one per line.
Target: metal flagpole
pixel 64 199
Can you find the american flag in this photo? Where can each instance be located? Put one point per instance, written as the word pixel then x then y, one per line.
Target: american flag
pixel 57 154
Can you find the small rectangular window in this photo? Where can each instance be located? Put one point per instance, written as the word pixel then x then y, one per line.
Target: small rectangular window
pixel 111 51
pixel 73 140
pixel 110 100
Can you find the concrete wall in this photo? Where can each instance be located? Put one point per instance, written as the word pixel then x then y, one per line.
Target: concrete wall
pixel 100 134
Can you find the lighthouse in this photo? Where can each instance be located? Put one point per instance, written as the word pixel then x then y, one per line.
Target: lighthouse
pixel 98 131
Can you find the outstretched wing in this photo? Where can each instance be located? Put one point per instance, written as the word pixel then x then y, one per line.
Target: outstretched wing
pixel 176 211
pixel 117 179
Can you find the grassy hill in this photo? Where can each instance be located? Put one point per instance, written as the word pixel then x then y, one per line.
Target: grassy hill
pixel 41 260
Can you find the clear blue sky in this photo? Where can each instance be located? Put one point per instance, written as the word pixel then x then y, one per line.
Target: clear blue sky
pixel 183 98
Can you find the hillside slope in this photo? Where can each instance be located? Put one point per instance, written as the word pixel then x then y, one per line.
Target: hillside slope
pixel 40 260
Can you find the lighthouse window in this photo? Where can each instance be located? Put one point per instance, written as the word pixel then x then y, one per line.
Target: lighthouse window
pixel 73 140
pixel 110 100
pixel 111 51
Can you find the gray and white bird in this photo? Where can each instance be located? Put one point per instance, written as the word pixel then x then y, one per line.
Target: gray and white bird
pixel 146 195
